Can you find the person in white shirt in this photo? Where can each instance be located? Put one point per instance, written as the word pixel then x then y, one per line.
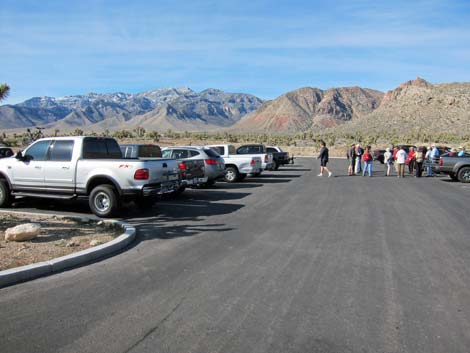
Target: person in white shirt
pixel 388 161
pixel 401 160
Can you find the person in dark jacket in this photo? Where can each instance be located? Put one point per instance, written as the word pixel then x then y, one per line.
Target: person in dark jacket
pixel 351 155
pixel 323 156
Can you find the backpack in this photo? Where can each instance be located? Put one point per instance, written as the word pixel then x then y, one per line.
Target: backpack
pixel 367 157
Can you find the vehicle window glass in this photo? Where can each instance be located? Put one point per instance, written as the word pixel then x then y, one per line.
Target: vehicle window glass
pixel 94 148
pixel 231 149
pixel 194 153
pixel 243 150
pixel 61 151
pixel 6 152
pixel 218 149
pixel 166 154
pixel 38 151
pixel 99 148
pixel 113 149
pixel 180 154
pixel 152 151
pixel 211 153
pixel 126 152
pixel 271 150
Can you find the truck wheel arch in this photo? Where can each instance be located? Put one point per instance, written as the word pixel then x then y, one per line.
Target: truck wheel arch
pixel 5 177
pixel 101 180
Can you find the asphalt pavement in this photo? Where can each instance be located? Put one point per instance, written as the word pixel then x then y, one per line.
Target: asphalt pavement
pixel 286 262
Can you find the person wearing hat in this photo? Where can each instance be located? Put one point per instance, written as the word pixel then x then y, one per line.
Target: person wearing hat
pixel 461 152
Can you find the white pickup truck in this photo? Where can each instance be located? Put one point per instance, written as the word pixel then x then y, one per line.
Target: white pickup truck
pixel 92 167
pixel 237 166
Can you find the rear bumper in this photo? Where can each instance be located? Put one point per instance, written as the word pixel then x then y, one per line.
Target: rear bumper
pixel 250 170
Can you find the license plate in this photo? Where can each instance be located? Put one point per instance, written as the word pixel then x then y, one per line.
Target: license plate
pixel 173 177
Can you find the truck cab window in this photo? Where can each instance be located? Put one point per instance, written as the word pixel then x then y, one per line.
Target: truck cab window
pixel 38 151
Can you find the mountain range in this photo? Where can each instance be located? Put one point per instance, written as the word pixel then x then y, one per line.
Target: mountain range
pixel 161 109
pixel 414 105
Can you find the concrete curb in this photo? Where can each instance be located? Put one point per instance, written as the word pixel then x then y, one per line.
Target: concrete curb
pixel 40 269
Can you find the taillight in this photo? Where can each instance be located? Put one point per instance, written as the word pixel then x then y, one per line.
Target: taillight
pixel 266 159
pixel 441 162
pixel 252 163
pixel 142 174
pixel 211 161
pixel 182 167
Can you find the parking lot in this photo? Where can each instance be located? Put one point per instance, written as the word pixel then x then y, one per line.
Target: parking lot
pixel 286 262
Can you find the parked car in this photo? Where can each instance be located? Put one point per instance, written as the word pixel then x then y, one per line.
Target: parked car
pixel 192 171
pixel 457 168
pixel 214 166
pixel 279 156
pixel 435 162
pixel 91 167
pixel 237 166
pixel 378 155
pixel 6 152
pixel 258 150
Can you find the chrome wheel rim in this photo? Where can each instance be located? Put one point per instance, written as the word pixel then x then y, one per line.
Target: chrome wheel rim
pixel 466 176
pixel 230 175
pixel 102 202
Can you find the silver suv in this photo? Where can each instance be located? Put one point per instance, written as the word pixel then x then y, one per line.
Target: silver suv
pixel 214 165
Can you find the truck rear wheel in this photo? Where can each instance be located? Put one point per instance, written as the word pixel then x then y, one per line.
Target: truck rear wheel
pixel 231 175
pixel 103 201
pixel 5 194
pixel 464 175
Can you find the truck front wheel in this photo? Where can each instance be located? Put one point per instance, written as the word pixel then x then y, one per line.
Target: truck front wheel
pixel 104 201
pixel 5 195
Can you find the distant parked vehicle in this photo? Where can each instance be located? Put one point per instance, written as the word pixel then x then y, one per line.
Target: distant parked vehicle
pixel 238 166
pixel 141 151
pixel 214 166
pixel 258 150
pixel 91 167
pixel 6 152
pixel 279 157
pixel 192 171
pixel 457 168
pixel 378 155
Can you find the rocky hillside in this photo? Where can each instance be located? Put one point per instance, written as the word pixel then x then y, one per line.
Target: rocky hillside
pixel 161 109
pixel 206 110
pixel 419 107
pixel 311 108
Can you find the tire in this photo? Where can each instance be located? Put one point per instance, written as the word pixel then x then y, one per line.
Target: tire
pixel 464 175
pixel 231 175
pixel 5 194
pixel 209 183
pixel 257 174
pixel 276 166
pixel 103 201
pixel 453 177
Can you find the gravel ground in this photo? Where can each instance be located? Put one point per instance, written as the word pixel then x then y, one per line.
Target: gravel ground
pixel 58 237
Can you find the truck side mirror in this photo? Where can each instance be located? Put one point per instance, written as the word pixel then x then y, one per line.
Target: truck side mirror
pixel 19 156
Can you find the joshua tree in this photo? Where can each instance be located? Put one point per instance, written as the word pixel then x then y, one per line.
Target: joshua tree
pixel 4 90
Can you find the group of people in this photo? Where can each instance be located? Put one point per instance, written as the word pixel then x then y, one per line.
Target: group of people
pixel 361 160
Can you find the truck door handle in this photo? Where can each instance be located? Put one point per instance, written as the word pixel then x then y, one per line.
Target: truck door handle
pixel 65 167
pixel 165 165
pixel 37 167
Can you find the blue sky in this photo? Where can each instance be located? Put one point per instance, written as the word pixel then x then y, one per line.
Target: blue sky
pixel 262 47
